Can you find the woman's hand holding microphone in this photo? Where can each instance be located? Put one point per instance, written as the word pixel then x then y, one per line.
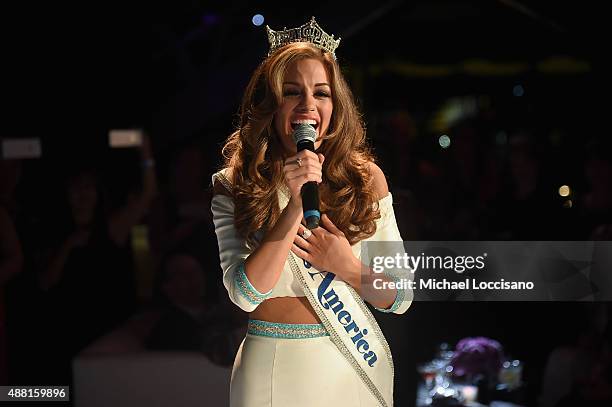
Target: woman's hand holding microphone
pixel 326 248
pixel 299 169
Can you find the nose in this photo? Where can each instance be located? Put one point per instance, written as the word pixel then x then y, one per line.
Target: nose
pixel 307 104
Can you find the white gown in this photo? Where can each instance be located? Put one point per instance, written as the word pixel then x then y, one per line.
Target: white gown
pixel 278 366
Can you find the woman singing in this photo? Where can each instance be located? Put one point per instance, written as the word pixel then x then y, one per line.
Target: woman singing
pixel 311 340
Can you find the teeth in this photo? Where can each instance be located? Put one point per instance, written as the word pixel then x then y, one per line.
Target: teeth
pixel 305 121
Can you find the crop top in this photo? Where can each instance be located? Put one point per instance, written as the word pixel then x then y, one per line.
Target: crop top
pixel 233 251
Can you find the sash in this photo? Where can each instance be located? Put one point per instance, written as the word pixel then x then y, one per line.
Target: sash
pixel 351 327
pixel 349 322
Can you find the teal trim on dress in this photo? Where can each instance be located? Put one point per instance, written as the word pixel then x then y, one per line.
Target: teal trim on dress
pixel 285 331
pixel 400 295
pixel 246 288
pixel 399 298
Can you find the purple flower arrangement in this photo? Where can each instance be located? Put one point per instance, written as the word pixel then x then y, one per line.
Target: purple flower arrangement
pixel 477 356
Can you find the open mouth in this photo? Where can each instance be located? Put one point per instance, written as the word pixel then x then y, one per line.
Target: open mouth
pixel 313 123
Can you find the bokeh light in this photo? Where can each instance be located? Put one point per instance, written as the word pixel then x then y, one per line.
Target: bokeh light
pixel 258 19
pixel 444 141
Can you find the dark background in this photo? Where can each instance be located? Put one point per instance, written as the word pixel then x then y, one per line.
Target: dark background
pixel 418 69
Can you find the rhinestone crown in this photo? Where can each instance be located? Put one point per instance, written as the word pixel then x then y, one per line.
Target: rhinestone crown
pixel 309 32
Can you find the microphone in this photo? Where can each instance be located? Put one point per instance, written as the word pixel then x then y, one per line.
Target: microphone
pixel 304 136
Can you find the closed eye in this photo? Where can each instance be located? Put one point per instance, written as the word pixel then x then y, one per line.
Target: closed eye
pixel 320 94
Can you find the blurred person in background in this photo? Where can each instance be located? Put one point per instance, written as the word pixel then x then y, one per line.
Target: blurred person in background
pixel 87 269
pixel 527 208
pixel 180 217
pixel 580 373
pixel 190 321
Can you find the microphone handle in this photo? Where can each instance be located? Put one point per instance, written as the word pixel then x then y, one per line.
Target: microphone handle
pixel 310 204
pixel 310 194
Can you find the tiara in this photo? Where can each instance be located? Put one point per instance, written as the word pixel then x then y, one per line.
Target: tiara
pixel 309 32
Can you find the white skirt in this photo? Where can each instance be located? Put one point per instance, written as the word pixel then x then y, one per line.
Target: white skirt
pixel 280 365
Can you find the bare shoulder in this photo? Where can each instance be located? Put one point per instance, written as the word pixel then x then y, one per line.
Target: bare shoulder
pixel 379 180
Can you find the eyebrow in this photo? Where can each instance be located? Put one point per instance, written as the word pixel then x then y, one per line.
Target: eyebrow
pixel 316 84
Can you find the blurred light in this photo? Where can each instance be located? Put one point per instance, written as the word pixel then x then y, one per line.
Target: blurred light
pixel 506 365
pixel 453 110
pixel 444 141
pixel 518 90
pixel 567 204
pixel 515 363
pixel 449 369
pixel 258 19
pixel 470 393
pixel 564 190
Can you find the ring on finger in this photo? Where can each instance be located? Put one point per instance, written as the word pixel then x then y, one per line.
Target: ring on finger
pixel 299 162
pixel 306 234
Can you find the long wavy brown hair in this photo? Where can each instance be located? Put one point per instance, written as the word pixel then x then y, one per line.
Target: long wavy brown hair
pixel 254 154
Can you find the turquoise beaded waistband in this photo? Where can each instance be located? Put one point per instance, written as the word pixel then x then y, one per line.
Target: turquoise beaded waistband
pixel 285 331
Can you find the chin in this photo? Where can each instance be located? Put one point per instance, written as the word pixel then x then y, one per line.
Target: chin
pixel 290 148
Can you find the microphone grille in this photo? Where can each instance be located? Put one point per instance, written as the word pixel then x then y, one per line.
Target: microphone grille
pixel 304 131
